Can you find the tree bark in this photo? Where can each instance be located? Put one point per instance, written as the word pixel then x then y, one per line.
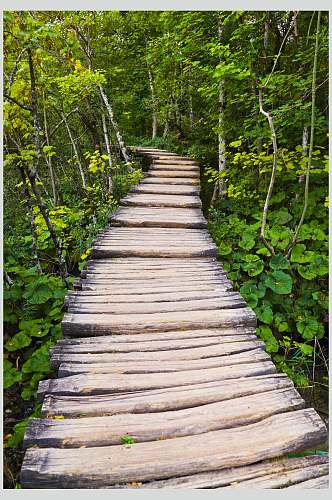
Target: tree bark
pixel 109 154
pixel 154 106
pixel 115 127
pixel 49 159
pixel 75 150
pixel 221 137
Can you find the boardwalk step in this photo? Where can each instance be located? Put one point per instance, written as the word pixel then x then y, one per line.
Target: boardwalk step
pixel 159 217
pixel 159 400
pixel 105 431
pixel 280 469
pixel 164 200
pixel 181 359
pixel 244 445
pixel 95 324
pixel 169 190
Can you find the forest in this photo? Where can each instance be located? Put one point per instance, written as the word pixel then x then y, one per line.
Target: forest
pixel 245 93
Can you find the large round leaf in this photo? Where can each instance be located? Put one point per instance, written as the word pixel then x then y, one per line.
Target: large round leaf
pixel 279 282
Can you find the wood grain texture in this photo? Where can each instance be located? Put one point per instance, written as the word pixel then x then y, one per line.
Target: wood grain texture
pixel 159 400
pixel 105 431
pixel 95 324
pixel 99 383
pixel 168 356
pixel 54 467
pixel 236 475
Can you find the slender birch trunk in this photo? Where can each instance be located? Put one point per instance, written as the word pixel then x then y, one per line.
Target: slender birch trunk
pixel 109 154
pixel 154 106
pixel 221 137
pixel 115 127
pixel 49 159
pixel 75 150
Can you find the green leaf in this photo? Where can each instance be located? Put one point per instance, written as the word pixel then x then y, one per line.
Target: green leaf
pixel 37 293
pixel 11 374
pixel 254 268
pixel 309 328
pixel 20 340
pixel 225 249
pixel 279 282
pixel 280 217
pixel 278 261
pixel 271 343
pixel 264 314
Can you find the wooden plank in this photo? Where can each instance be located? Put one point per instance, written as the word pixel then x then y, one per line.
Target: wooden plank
pixel 225 477
pixel 94 324
pixel 161 200
pixel 89 384
pixel 158 400
pixel 170 180
pixel 318 483
pixel 101 280
pixel 150 289
pixel 150 361
pixel 159 217
pixel 119 344
pixel 281 433
pixel 74 366
pixel 87 297
pixel 156 307
pixel 161 189
pixel 143 251
pixel 174 161
pixel 174 173
pixel 108 430
pixel 226 335
pixel 155 167
pixel 285 479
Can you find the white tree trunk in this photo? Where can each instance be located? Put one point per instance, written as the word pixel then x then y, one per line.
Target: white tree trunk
pixel 305 137
pixel 115 126
pixel 75 151
pixel 108 149
pixel 154 106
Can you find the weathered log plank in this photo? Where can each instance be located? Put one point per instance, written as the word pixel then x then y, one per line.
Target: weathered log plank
pixel 284 479
pixel 166 189
pixel 143 251
pixel 161 200
pixel 187 174
pixel 89 384
pixel 170 180
pixel 158 400
pixel 281 433
pixel 318 483
pixel 225 477
pixel 119 344
pixel 150 361
pixel 75 367
pixel 94 324
pixel 224 335
pixel 156 307
pixel 106 431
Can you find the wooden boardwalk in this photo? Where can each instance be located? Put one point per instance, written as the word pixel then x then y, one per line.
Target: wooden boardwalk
pixel 160 352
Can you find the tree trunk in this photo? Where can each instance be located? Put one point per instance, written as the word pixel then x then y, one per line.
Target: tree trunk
pixel 221 137
pixel 305 137
pixel 49 159
pixel 32 173
pixel 154 106
pixel 108 149
pixel 115 127
pixel 75 150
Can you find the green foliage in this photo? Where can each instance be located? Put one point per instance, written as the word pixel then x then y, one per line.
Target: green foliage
pixel 289 296
pixel 127 440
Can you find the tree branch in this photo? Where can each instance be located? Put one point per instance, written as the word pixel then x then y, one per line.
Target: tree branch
pixel 273 175
pixel 27 108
